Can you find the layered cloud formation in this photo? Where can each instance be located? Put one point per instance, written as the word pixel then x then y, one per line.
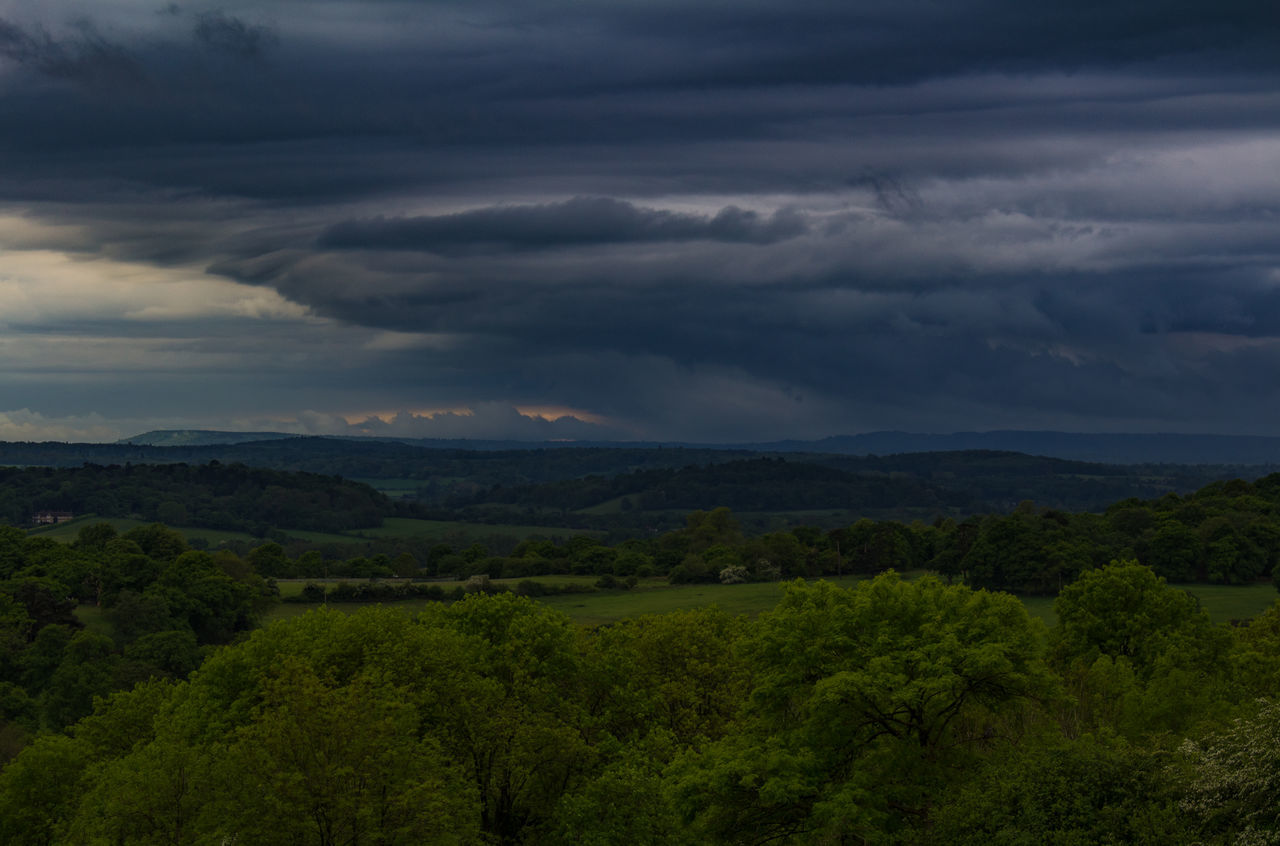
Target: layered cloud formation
pixel 663 220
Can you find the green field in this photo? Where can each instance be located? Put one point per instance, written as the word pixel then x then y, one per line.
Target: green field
pixel 391 528
pixel 66 532
pixel 389 485
pixel 408 527
pixel 609 506
pixel 1041 607
pixel 289 610
pixel 610 606
pixel 93 620
pixel 319 537
pixel 1228 602
pixel 393 488
pixel 293 587
pixel 655 596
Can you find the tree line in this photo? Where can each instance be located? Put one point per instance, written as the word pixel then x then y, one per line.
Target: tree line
pixel 158 607
pixel 1224 533
pixel 232 497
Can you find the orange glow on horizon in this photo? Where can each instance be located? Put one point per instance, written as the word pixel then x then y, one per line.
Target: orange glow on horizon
pixel 545 412
pixel 552 412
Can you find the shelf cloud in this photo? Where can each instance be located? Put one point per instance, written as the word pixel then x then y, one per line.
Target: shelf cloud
pixel 695 221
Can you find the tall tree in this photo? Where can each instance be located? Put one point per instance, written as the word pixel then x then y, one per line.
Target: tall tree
pixel 865 703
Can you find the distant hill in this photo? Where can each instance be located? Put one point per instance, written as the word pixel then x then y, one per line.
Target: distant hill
pixel 230 497
pixel 902 486
pixel 199 437
pixel 635 490
pixel 1124 448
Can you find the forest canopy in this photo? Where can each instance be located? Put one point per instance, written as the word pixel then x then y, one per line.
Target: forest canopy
pixel 894 712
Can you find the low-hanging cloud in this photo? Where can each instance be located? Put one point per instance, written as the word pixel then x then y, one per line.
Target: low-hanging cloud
pixel 581 221
pixel 26 425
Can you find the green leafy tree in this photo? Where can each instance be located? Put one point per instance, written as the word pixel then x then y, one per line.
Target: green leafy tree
pixel 1126 611
pixel 707 528
pixel 682 673
pixel 172 653
pixel 1176 552
pixel 1024 552
pixel 136 614
pixel 524 732
pixel 152 796
pixel 1064 793
pixel 37 663
pixel 624 804
pixel 158 541
pixel 336 765
pixel 865 703
pixel 87 670
pixel 15 627
pixel 96 536
pixel 1255 658
pixel 47 602
pixel 1139 653
pixel 405 565
pixel 39 790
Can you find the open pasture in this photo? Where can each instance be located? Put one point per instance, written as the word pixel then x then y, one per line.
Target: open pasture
pixel 656 596
pixel 408 527
pixel 67 532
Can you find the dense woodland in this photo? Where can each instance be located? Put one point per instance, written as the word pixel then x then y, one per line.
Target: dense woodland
pixel 550 485
pixel 140 702
pixel 1226 533
pixel 931 483
pixel 163 603
pixel 214 496
pixel 895 712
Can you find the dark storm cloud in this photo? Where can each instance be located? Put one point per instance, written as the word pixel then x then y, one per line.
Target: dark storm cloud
pixel 225 33
pixel 84 56
pixel 718 219
pixel 577 222
pixel 893 42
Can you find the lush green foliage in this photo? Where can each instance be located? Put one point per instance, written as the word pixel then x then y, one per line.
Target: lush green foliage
pixel 894 712
pixel 635 490
pixel 865 703
pixel 161 604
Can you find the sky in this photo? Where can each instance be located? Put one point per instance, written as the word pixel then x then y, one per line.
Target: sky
pixel 639 219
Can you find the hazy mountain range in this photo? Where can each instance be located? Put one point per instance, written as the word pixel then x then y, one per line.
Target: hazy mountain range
pixel 1116 448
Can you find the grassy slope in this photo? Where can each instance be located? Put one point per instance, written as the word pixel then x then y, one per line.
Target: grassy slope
pixel 66 532
pixel 1225 602
pixel 393 527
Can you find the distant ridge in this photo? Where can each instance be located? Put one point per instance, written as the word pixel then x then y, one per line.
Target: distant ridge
pixel 1114 448
pixel 1122 448
pixel 199 437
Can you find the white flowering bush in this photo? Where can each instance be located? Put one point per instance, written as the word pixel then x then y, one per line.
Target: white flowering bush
pixel 1235 782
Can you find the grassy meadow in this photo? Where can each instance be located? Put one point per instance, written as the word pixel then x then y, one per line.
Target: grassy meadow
pixel 66 532
pixel 410 527
pixel 393 528
pixel 655 596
